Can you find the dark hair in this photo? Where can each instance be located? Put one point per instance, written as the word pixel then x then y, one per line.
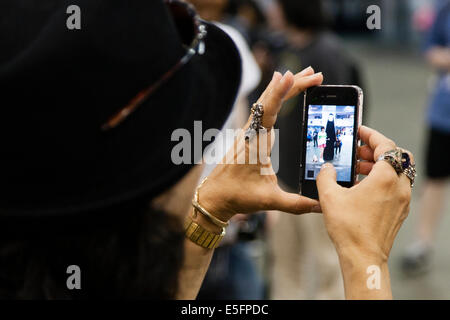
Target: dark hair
pixel 304 14
pixel 136 254
pixel 321 128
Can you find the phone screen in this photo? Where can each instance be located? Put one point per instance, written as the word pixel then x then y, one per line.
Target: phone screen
pixel 329 138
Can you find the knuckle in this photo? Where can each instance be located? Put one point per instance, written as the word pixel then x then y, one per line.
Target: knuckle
pixel 404 216
pixel 326 194
pixel 391 143
pixel 405 194
pixel 389 177
pixel 405 213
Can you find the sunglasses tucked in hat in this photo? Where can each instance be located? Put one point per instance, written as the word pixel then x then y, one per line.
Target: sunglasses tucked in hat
pixel 87 115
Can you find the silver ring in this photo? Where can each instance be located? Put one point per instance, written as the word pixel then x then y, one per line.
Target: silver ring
pixel 257 112
pixel 401 161
pixel 394 158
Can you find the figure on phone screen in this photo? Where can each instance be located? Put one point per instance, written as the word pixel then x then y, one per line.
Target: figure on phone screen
pixel 328 154
pixel 338 143
pixel 322 140
pixel 315 138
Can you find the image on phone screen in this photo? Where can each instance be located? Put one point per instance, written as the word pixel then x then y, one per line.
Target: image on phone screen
pixel 329 137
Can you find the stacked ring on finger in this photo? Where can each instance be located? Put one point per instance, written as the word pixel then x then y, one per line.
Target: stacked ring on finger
pixel 400 160
pixel 394 158
pixel 257 112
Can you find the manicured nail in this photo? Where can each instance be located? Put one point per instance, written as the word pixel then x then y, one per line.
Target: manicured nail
pixel 285 75
pixel 275 74
pixel 314 75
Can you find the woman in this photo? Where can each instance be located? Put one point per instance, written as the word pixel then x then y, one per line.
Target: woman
pixel 328 154
pixel 102 190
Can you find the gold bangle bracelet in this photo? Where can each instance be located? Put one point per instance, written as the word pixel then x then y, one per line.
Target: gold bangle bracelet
pixel 205 212
pixel 200 236
pixel 213 219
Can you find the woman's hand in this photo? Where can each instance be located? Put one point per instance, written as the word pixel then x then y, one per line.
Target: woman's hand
pixel 364 220
pixel 368 215
pixel 245 188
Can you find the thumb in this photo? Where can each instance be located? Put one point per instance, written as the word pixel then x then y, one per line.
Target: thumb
pixel 295 203
pixel 326 180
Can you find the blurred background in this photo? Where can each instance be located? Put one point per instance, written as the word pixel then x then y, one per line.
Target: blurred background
pixel 282 257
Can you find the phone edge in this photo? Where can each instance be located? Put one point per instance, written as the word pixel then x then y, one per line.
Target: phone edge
pixel 359 123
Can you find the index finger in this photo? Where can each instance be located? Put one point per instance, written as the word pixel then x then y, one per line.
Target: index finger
pixel 376 141
pixel 286 88
pixel 273 100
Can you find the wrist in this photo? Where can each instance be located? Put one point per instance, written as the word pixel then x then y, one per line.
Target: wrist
pixel 366 275
pixel 355 253
pixel 213 200
pixel 206 223
pixel 357 261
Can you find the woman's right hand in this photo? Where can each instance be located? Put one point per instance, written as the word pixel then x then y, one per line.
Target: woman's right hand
pixel 364 220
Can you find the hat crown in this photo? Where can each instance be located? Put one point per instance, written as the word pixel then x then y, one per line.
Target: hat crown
pixel 121 45
pixel 59 86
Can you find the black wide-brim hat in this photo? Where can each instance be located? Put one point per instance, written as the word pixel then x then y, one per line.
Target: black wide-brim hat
pixel 58 86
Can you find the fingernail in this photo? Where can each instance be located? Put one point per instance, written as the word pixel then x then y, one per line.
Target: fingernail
pixel 306 69
pixel 274 74
pixel 285 75
pixel 316 208
pixel 314 75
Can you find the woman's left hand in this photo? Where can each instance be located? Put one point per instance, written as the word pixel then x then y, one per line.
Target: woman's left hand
pixel 234 188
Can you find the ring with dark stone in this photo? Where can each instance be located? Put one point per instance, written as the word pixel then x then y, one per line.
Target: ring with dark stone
pixel 394 158
pixel 409 168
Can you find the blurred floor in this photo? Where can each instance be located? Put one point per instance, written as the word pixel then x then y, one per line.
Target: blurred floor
pixel 397 82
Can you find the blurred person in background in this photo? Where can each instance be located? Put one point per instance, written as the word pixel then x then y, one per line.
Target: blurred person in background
pixel 233 273
pixel 417 256
pixel 296 268
pixel 246 16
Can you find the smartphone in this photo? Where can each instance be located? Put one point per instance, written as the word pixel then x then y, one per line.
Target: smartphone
pixel 331 118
